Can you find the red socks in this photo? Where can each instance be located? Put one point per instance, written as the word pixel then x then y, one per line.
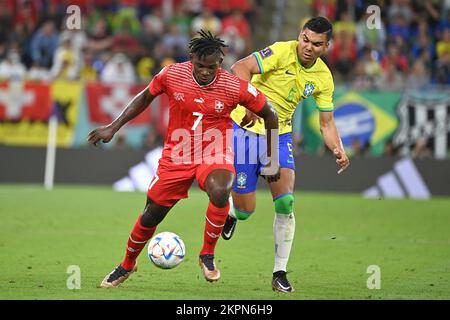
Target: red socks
pixel 215 219
pixel 136 242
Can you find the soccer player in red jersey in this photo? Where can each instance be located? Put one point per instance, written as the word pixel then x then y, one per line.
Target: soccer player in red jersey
pixel 201 98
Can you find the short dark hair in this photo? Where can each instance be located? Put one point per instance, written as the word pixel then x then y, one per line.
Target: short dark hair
pixel 207 44
pixel 320 25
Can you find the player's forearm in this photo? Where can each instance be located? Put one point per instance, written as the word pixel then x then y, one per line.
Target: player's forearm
pixel 270 117
pixel 331 136
pixel 136 106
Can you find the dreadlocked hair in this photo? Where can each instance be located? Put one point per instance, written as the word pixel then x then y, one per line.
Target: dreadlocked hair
pixel 205 45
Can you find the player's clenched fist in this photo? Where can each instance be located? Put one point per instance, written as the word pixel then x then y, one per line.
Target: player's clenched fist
pixel 341 159
pixel 104 134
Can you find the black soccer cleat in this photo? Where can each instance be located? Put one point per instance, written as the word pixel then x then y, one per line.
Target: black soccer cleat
pixel 280 283
pixel 229 227
pixel 117 277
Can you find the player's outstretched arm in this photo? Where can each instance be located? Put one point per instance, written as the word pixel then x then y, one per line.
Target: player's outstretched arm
pixel 245 69
pixel 332 140
pixel 272 169
pixel 136 106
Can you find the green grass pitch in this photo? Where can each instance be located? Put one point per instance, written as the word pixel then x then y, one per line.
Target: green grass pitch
pixel 338 237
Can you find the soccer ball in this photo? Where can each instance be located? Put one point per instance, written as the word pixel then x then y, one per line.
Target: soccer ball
pixel 166 250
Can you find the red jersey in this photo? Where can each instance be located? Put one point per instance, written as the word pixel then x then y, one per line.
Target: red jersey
pixel 197 111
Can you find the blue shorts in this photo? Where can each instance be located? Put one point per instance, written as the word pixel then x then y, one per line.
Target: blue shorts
pixel 250 154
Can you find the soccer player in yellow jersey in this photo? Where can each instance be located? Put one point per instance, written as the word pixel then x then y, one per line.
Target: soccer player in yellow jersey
pixel 286 72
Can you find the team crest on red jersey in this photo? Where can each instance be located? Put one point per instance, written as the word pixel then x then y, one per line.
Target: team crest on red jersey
pixel 178 96
pixel 219 106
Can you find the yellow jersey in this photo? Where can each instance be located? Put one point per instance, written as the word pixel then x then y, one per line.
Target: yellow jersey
pixel 285 82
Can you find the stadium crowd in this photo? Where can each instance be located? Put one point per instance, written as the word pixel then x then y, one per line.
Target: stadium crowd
pixel 410 45
pixel 129 41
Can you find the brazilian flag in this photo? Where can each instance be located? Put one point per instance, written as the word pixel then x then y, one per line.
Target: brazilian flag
pixel 368 117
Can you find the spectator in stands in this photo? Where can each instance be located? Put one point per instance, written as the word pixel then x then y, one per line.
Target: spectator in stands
pixel 361 81
pixel 343 55
pixel 390 150
pixel 422 44
pixel 357 148
pixel 391 78
pixel 99 37
pixel 444 24
pixel 27 15
pixel 12 68
pixel 374 38
pixel 399 27
pixel 55 10
pixel 443 45
pixel 155 21
pixel 78 38
pixel 421 149
pixel 149 35
pixel 6 17
pixel 176 42
pixel 236 48
pixel 37 73
pixel 206 21
pixel 432 9
pixel 87 71
pixel 118 69
pixel 345 24
pixel 442 69
pixel 182 20
pixel 419 77
pixel 44 44
pixel 237 21
pixel 353 8
pixel 219 8
pixel 325 8
pixel 145 67
pixel 421 28
pixel 239 27
pixel 401 8
pixel 193 7
pixel 66 62
pixel 125 42
pixel 394 57
pixel 126 19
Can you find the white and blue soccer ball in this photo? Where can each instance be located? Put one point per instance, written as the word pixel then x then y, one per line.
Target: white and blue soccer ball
pixel 166 250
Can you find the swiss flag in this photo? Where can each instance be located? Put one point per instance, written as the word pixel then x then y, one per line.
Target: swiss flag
pixel 25 101
pixel 106 102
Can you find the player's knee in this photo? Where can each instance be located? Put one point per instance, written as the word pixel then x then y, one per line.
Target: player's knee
pixel 219 196
pixel 241 214
pixel 284 204
pixel 153 214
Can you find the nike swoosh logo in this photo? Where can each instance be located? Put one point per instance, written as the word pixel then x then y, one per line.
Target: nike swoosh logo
pixel 282 287
pixel 228 234
pixel 289 73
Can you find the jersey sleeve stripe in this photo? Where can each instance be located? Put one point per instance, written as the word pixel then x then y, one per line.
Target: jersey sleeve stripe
pixel 258 59
pixel 326 109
